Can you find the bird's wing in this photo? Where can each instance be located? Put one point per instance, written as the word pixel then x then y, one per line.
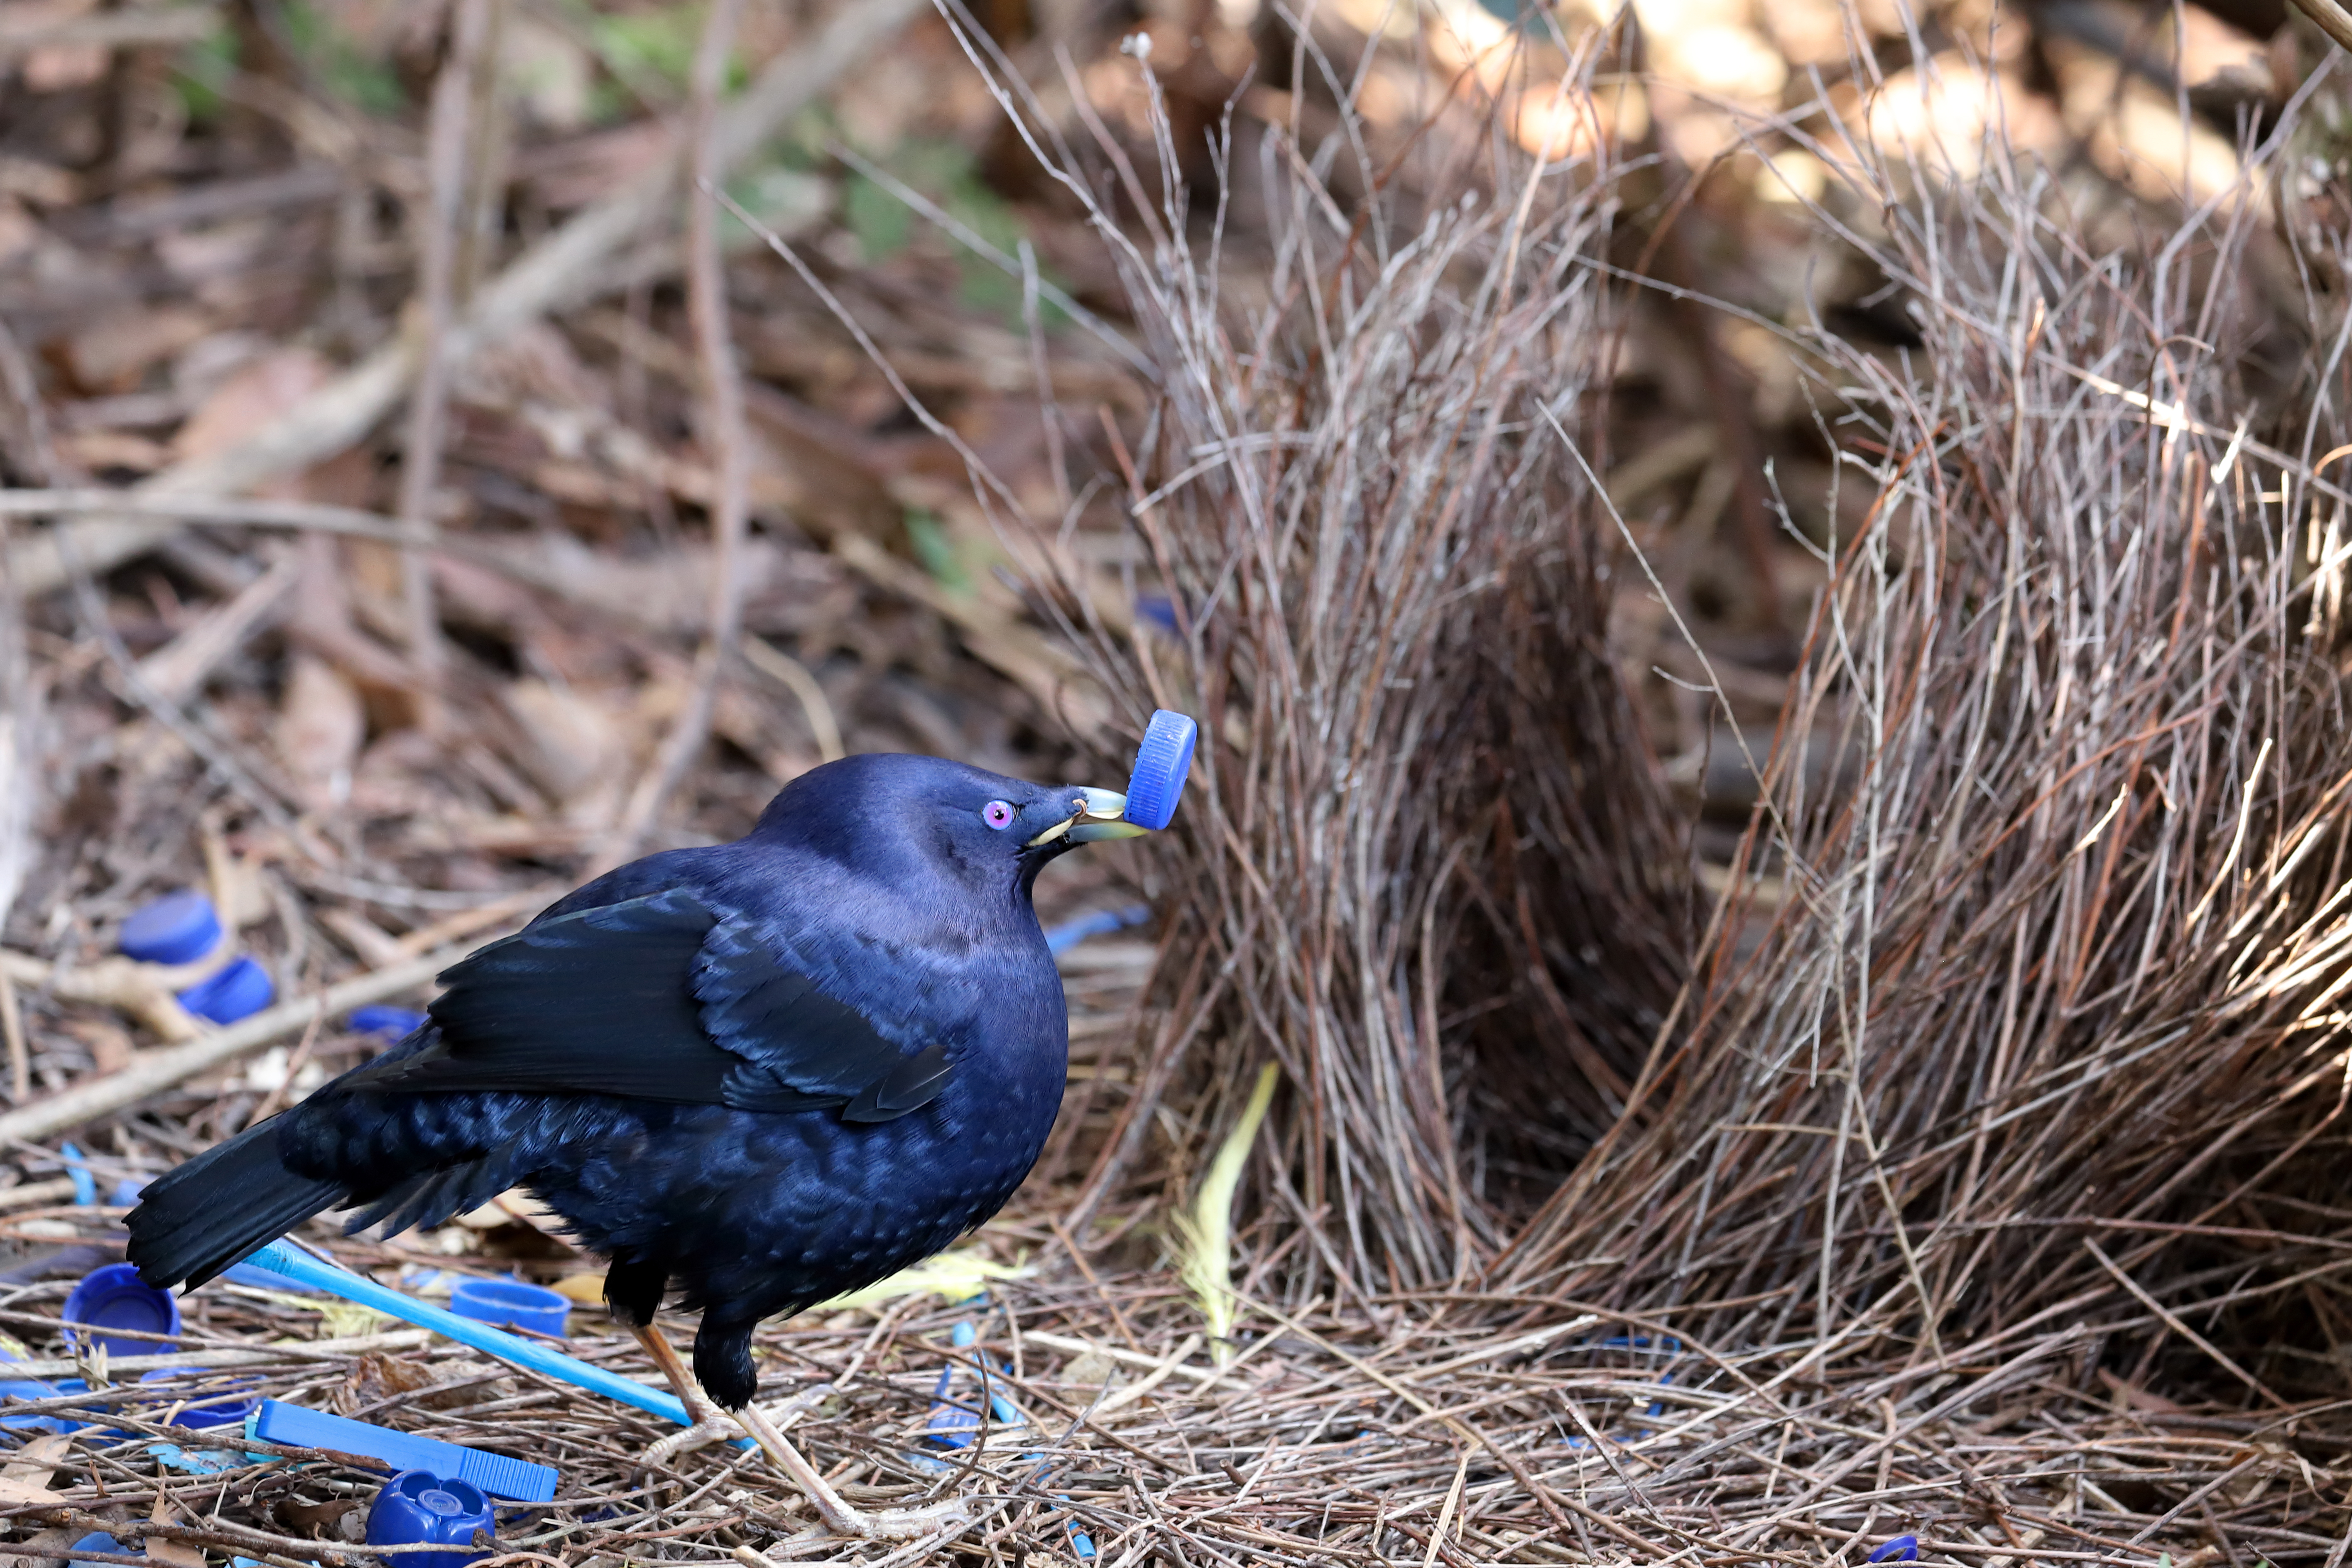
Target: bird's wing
pixel 656 998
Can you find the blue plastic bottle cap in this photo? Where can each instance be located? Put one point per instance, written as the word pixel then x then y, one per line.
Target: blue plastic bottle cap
pixel 215 1410
pixel 417 1507
pixel 510 1304
pixel 1161 763
pixel 378 1020
pixel 113 1297
pixel 239 991
pixel 178 927
pixel 98 1541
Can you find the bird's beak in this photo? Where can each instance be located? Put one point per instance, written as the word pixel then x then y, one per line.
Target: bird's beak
pixel 1101 814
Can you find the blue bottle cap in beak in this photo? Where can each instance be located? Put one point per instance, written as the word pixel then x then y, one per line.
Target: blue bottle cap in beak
pixel 1162 765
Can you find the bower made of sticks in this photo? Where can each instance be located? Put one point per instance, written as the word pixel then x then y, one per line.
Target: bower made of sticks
pixel 2027 1017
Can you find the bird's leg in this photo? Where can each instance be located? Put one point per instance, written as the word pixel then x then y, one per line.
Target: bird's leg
pixel 712 1424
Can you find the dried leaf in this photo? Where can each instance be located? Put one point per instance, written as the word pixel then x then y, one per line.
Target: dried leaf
pixel 322 725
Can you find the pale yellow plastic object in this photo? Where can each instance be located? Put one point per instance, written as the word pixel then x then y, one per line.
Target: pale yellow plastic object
pixel 1207 1232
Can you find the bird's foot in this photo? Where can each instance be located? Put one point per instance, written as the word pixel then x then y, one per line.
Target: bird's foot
pixel 952 1514
pixel 716 1427
pixel 712 1425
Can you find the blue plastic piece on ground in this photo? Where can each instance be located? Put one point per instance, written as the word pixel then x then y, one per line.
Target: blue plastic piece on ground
pixel 78 1172
pixel 113 1297
pixel 126 1191
pixel 496 1473
pixel 511 1304
pixel 240 990
pixel 375 1018
pixel 1902 1549
pixel 952 1426
pixel 954 1422
pixel 178 928
pixel 202 1461
pixel 279 1258
pixel 1102 923
pixel 417 1507
pixel 219 1408
pixel 98 1541
pixel 1161 766
pixel 35 1388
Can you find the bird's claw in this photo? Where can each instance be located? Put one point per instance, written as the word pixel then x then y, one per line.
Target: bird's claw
pixel 712 1426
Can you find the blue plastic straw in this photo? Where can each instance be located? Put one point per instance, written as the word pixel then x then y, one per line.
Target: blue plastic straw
pixel 294 1263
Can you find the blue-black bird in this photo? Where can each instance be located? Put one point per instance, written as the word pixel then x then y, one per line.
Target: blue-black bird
pixel 762 1073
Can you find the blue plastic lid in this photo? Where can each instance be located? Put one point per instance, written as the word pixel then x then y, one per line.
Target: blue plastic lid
pixel 510 1304
pixel 517 1479
pixel 375 1018
pixel 1161 763
pixel 113 1297
pixel 178 928
pixel 417 1507
pixel 239 991
pixel 98 1541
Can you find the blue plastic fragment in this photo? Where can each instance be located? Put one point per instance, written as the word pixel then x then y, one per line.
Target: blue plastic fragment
pixel 114 1297
pixel 178 928
pixel 77 1171
pixel 220 1408
pixel 376 1018
pixel 1101 922
pixel 511 1304
pixel 1160 611
pixel 202 1461
pixel 1902 1549
pixel 33 1388
pixel 1082 1543
pixel 98 1541
pixel 954 1421
pixel 238 990
pixel 417 1507
pixel 126 1192
pixel 1162 765
pixel 519 1479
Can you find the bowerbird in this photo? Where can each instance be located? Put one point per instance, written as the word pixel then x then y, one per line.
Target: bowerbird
pixel 759 1073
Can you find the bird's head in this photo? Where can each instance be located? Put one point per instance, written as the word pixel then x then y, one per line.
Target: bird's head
pixel 889 813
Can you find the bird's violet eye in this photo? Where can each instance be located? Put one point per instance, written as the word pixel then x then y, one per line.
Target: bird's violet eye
pixel 997 814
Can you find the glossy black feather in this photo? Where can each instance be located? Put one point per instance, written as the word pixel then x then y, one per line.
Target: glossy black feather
pixel 656 998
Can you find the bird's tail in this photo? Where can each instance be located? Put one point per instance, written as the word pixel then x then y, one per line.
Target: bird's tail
pixel 220 1207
